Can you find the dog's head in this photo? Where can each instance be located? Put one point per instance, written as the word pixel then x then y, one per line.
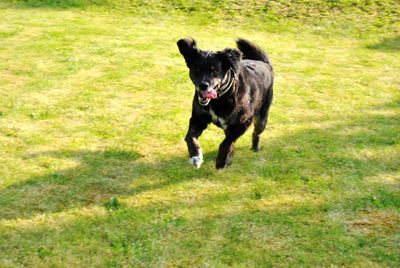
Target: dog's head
pixel 208 70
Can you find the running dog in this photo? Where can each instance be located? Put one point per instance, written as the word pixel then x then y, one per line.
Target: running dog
pixel 233 88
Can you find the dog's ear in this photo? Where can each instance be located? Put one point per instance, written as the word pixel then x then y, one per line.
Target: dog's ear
pixel 188 49
pixel 230 57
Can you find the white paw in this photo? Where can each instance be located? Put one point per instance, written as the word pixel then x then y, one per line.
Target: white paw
pixel 196 160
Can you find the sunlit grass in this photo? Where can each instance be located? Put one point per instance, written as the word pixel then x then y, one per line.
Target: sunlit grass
pixel 94 104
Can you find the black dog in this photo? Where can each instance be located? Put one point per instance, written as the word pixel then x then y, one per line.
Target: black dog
pixel 232 88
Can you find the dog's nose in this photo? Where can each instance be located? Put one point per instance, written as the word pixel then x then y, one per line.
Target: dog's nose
pixel 204 85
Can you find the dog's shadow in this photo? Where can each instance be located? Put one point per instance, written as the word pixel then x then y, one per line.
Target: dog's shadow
pixel 94 178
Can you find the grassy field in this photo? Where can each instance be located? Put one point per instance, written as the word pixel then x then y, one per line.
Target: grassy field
pixel 94 105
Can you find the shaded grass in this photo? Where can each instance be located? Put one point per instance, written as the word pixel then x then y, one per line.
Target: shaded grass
pixel 95 105
pixel 55 4
pixel 387 44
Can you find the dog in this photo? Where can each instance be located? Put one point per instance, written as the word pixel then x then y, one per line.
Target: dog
pixel 233 88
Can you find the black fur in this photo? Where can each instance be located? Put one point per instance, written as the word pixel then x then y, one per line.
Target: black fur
pixel 247 98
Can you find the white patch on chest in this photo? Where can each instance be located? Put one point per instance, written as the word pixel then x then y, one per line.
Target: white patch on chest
pixel 217 119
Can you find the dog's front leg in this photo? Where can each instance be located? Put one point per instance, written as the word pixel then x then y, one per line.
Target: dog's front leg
pixel 196 127
pixel 225 151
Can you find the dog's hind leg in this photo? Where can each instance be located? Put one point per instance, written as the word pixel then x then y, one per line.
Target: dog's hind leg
pixel 225 151
pixel 261 120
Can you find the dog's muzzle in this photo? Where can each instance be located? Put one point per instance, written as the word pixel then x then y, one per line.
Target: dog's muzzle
pixel 204 97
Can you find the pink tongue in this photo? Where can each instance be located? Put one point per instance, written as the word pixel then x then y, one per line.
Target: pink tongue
pixel 209 95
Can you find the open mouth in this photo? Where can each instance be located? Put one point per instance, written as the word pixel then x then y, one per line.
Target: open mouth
pixel 210 94
pixel 203 101
pixel 206 96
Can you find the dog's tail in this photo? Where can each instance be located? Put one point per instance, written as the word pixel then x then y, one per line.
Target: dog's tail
pixel 251 51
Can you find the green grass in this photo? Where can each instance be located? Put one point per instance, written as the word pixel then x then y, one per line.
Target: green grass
pixel 94 104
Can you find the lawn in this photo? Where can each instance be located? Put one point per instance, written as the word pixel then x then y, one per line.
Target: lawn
pixel 95 101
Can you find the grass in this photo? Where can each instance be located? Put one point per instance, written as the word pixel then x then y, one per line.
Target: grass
pixel 94 105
